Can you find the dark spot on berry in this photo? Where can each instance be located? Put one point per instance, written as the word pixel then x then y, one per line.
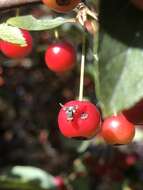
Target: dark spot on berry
pixel 80 138
pixel 84 115
pixel 118 144
pixel 63 2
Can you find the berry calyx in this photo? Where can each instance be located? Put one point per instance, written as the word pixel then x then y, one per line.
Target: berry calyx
pixel 117 130
pixel 61 6
pixel 79 119
pixel 12 50
pixel 60 56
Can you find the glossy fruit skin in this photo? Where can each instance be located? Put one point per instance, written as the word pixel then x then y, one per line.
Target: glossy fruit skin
pixel 61 6
pixel 11 50
pixel 85 121
pixel 117 130
pixel 59 182
pixel 60 56
pixel 138 4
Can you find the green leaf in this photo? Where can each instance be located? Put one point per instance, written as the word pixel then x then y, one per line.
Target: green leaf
pixel 30 23
pixel 11 34
pixel 33 175
pixel 120 67
pixel 14 184
pixel 83 146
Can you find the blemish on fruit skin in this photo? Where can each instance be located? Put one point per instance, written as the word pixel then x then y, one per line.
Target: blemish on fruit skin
pixel 84 116
pixel 70 111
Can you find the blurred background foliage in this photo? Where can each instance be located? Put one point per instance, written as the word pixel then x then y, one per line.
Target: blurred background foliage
pixel 33 153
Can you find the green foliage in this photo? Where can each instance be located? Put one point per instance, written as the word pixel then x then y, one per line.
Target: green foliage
pixel 30 23
pixel 30 97
pixel 81 183
pixel 27 177
pixel 120 80
pixel 11 34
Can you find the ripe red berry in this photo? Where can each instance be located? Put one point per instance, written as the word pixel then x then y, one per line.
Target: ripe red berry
pixel 131 159
pixel 61 6
pixel 138 4
pixel 15 50
pixel 117 130
pixel 59 182
pixel 60 56
pixel 79 119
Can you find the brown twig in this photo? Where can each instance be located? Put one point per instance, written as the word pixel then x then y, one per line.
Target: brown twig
pixel 7 4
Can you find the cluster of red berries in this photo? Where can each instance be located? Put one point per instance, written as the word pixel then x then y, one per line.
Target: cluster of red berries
pixel 77 119
pixel 81 119
pixel 59 56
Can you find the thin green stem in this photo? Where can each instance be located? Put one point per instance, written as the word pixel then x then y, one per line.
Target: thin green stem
pixel 82 68
pixel 56 34
pixel 17 12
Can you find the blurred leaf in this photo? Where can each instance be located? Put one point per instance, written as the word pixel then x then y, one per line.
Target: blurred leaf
pixel 120 80
pixel 6 183
pixel 81 183
pixel 79 166
pixel 11 34
pixel 83 146
pixel 138 135
pixel 28 174
pixel 31 23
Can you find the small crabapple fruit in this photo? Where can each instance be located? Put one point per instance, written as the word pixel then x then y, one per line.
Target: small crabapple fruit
pixel 131 159
pixel 61 6
pixel 59 182
pixel 60 56
pixel 12 50
pixel 117 130
pixel 79 119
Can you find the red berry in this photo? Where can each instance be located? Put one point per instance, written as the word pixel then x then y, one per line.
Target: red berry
pixel 117 130
pixel 16 51
pixel 131 159
pixel 79 119
pixel 59 182
pixel 138 4
pixel 60 56
pixel 62 6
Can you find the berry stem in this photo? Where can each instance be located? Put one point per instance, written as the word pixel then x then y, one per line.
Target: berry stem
pixel 56 34
pixel 82 68
pixel 17 12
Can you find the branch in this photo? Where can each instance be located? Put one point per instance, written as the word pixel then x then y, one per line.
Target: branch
pixel 6 4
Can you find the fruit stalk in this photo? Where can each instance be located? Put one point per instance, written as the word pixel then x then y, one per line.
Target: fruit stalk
pixel 82 68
